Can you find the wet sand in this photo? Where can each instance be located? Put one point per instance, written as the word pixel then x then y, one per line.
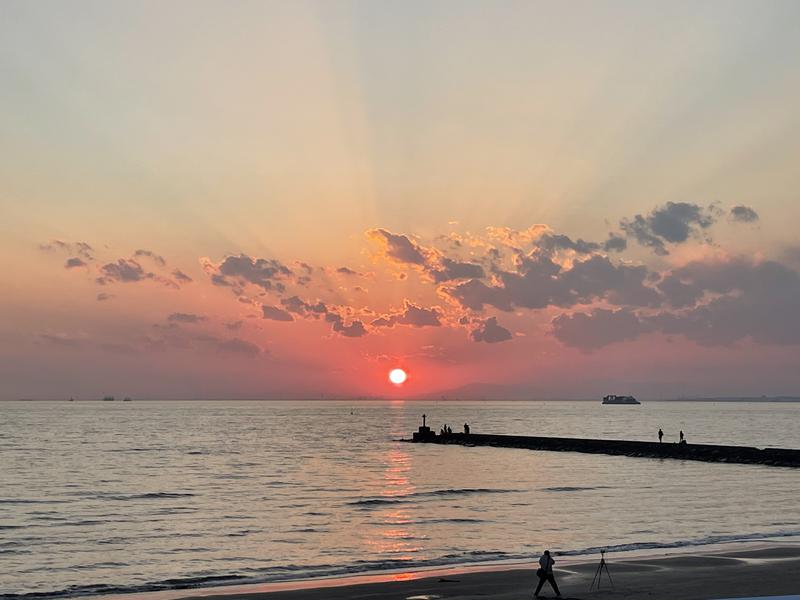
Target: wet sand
pixel 773 571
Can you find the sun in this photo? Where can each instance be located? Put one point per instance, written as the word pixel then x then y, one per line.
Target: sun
pixel 397 376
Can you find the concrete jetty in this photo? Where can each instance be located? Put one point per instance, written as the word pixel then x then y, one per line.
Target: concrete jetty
pixel 774 457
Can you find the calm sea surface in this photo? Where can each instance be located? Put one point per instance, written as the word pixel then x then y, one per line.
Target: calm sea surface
pixel 98 497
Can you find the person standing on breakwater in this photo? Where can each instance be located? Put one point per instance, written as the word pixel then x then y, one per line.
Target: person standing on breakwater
pixel 660 435
pixel 466 429
pixel 545 573
pixel 682 438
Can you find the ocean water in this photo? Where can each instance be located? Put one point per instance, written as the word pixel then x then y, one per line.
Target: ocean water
pixel 100 497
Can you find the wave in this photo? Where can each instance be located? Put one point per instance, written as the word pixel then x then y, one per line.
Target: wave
pixel 688 543
pixel 433 493
pixel 567 488
pixel 294 572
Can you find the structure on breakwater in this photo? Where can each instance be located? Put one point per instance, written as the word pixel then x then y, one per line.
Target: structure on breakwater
pixel 775 457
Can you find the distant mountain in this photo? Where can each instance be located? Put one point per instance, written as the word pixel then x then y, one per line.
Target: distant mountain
pixel 489 391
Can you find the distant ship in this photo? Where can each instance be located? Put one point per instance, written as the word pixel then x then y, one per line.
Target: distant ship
pixel 108 399
pixel 614 399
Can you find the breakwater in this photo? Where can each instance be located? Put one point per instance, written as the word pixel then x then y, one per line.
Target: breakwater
pixel 775 457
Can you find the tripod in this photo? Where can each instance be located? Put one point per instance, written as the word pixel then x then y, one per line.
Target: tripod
pixel 598 575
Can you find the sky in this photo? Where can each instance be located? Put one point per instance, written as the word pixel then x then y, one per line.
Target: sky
pixel 505 199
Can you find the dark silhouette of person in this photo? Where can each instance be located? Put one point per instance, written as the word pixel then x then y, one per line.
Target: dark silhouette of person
pixel 660 435
pixel 449 430
pixel 682 438
pixel 545 573
pixel 466 429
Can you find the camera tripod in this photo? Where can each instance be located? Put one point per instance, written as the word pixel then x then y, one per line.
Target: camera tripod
pixel 598 575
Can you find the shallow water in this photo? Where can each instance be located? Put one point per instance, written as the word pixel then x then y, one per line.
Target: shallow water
pixel 101 496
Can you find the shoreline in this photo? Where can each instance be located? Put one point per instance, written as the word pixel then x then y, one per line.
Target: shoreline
pixel 758 568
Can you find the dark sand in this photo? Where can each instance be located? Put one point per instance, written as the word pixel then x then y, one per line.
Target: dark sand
pixel 771 571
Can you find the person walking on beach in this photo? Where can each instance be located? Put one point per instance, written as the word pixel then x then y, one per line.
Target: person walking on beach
pixel 545 573
pixel 660 435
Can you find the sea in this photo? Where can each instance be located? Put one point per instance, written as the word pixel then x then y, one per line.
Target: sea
pixel 115 497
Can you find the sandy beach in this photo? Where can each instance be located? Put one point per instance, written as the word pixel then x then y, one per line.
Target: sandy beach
pixel 773 571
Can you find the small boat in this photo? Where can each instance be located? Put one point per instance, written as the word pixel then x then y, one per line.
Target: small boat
pixel 614 399
pixel 126 399
pixel 108 399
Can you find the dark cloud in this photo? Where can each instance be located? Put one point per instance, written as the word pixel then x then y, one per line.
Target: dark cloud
pixel 237 346
pixel 449 270
pixel 490 331
pixel 82 249
pixel 413 315
pixel 355 329
pixel 152 255
pixel 181 277
pixel 539 282
pixel 180 317
pixel 398 247
pixel 234 325
pixel 551 242
pixel 102 297
pixel 346 271
pixel 124 270
pixel 74 262
pixel 719 304
pixel 299 306
pixel 744 214
pixel 266 273
pixel 615 243
pixel 672 223
pixel 597 329
pixel 273 313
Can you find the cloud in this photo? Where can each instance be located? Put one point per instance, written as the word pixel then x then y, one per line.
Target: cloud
pixel 61 340
pixel 449 270
pixel 672 223
pixel 102 297
pixel 82 249
pixel 152 255
pixel 298 306
pixel 346 271
pixel 551 242
pixel 234 325
pixel 720 303
pixel 180 317
pixel 596 329
pixel 540 282
pixel 615 243
pixel 354 330
pixel 181 277
pixel 490 331
pixel 238 346
pixel 74 262
pixel 273 313
pixel 744 214
pixel 413 315
pixel 399 248
pixel 124 270
pixel 268 274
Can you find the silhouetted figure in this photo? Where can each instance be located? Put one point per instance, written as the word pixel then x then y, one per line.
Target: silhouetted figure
pixel 423 419
pixel 466 429
pixel 682 438
pixel 660 435
pixel 545 573
pixel 449 430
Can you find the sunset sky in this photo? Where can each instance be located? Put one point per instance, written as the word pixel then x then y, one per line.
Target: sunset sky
pixel 290 199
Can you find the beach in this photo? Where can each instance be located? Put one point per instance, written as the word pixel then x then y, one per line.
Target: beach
pixel 740 573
